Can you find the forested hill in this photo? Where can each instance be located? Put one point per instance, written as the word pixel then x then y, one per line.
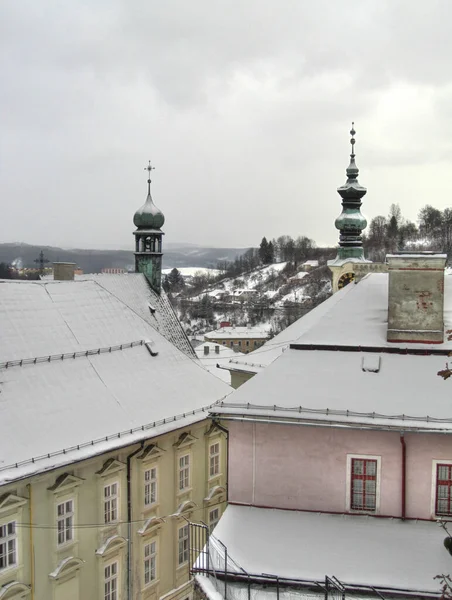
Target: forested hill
pixel 93 261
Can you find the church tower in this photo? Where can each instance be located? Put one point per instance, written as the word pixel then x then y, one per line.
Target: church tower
pixel 350 224
pixel 148 239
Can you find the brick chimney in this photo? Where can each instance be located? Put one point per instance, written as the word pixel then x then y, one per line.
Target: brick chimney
pixel 416 297
pixel 63 271
pixel 206 350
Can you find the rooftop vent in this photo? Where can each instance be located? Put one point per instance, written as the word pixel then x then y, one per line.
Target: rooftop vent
pixel 371 363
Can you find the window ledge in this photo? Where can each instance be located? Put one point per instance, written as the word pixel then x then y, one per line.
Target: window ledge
pixel 66 546
pixel 184 491
pixel 212 477
pixel 9 571
pixel 150 508
pixel 150 585
pixel 358 511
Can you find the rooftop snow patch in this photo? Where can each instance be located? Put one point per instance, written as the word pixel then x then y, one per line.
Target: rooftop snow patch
pixel 360 550
pixel 95 393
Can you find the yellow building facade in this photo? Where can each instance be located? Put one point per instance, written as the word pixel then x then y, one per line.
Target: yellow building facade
pixel 113 527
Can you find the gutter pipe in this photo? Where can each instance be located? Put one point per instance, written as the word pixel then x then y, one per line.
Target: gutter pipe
pixel 129 519
pixel 403 507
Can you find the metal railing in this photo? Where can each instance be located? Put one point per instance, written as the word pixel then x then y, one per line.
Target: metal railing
pixel 210 557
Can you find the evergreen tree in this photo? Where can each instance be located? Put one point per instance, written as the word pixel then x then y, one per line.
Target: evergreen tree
pixel 263 250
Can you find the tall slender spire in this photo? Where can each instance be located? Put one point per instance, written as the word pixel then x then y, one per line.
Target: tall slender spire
pixel 351 222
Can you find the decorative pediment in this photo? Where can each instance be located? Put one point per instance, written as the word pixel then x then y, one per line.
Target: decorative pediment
pixel 151 452
pixel 216 491
pixel 185 440
pixel 11 502
pixel 14 591
pixel 183 508
pixel 112 544
pixel 151 526
pixel 111 466
pixel 214 429
pixel 66 567
pixel 65 483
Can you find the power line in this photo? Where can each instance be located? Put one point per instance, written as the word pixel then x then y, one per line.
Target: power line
pixel 103 525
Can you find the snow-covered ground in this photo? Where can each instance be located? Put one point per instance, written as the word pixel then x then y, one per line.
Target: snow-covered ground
pixel 191 271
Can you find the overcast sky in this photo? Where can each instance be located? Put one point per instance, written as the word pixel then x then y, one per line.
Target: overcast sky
pixel 243 106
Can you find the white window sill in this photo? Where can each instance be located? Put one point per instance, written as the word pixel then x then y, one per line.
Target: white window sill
pixel 67 546
pixel 184 491
pixel 150 585
pixel 148 508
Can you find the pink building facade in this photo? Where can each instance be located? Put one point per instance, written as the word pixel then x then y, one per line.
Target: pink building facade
pixel 308 468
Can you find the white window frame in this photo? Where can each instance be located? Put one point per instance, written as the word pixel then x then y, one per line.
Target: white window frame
pixel 184 472
pixel 112 593
pixel 435 463
pixel 182 546
pixel 111 503
pixel 150 561
pixel 214 522
pixel 9 541
pixel 150 494
pixel 214 460
pixel 66 519
pixel 348 483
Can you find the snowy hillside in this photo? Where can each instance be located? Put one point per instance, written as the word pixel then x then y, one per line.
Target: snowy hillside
pixel 273 296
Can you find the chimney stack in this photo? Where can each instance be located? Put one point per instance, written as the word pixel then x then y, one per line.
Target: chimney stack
pixel 217 349
pixel 416 297
pixel 206 350
pixel 63 271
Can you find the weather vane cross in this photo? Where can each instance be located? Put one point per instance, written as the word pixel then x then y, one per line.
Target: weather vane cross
pixel 149 168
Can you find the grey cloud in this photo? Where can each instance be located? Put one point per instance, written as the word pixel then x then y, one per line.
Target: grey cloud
pixel 244 107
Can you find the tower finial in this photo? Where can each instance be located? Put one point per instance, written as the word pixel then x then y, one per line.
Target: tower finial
pixel 352 141
pixel 149 168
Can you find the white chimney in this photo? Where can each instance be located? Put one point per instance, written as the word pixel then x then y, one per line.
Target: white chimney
pixel 63 271
pixel 416 297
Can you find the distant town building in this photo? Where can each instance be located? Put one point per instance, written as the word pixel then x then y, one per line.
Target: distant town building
pixel 310 264
pixel 114 270
pixel 241 339
pixel 215 358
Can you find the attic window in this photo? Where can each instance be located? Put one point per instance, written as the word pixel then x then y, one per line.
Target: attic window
pixel 371 363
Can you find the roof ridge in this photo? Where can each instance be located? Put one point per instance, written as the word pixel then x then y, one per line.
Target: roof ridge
pixel 79 353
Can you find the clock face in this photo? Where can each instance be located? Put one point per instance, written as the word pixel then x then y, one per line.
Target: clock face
pixel 345 279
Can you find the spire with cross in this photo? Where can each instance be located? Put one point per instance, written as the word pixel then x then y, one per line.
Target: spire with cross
pixel 148 220
pixel 149 168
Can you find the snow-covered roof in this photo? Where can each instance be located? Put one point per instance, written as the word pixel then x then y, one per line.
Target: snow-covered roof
pixel 311 263
pixel 217 355
pixel 335 365
pixel 134 290
pixel 227 333
pixel 101 370
pixel 359 550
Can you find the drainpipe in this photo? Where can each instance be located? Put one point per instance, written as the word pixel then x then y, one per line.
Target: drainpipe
pixel 402 441
pixel 129 520
pixel 32 550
